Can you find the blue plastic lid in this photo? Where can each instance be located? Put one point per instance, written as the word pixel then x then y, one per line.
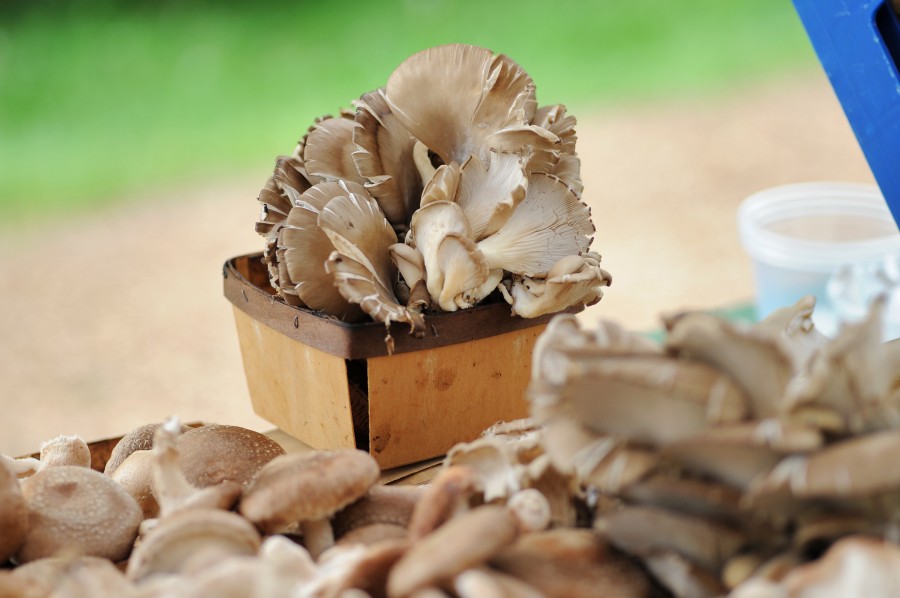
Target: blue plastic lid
pixel 858 44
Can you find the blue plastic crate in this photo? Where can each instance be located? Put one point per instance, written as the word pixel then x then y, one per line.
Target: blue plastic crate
pixel 858 44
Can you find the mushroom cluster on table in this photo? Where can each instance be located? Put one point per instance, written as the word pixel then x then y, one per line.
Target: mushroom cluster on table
pixel 225 512
pixel 443 186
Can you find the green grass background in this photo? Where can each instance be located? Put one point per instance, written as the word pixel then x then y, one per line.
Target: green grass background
pixel 99 99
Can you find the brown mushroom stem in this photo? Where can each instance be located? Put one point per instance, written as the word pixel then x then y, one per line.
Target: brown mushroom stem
pixel 317 536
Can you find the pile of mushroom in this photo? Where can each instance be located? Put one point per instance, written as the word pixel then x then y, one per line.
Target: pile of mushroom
pixel 234 516
pixel 453 155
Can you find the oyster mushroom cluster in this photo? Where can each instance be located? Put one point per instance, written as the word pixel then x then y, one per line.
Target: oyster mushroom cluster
pixel 728 459
pixel 443 186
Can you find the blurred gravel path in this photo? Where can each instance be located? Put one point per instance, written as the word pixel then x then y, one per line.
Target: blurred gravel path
pixel 118 319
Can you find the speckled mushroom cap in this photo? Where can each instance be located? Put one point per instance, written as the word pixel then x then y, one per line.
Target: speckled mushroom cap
pixel 307 486
pixel 135 475
pixel 215 453
pixel 78 508
pixel 13 514
pixel 139 439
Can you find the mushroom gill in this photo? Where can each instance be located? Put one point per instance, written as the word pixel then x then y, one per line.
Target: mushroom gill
pixel 549 224
pixel 384 158
pixel 328 149
pixel 362 268
pixel 306 248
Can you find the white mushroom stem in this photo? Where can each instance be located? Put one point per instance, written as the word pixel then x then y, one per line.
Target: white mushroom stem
pixel 170 486
pixel 317 536
pixel 423 162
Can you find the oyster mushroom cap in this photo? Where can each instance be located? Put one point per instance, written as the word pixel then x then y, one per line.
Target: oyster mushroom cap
pixel 464 542
pixel 65 450
pixel 462 100
pixel 443 184
pixel 759 363
pixel 568 170
pixel 358 285
pixel 305 248
pixel 430 225
pixel 489 192
pixel 14 520
pixel 498 473
pixel 361 266
pixel 692 496
pixel 463 272
pixel 737 453
pixel 647 530
pixel 857 467
pixel 358 230
pixel 555 119
pixel 205 535
pixel 852 375
pixel 277 197
pixel 564 341
pixel 550 223
pixel 328 150
pixel 533 297
pixel 794 324
pixel 571 562
pixel 409 262
pixel 384 158
pixel 78 508
pixel 612 395
pixel 307 489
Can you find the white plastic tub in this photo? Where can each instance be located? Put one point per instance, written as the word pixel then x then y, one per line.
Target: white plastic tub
pixel 799 235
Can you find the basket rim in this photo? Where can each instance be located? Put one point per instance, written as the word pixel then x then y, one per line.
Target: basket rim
pixel 364 340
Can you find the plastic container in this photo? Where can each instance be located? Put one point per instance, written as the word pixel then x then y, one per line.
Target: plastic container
pixel 800 235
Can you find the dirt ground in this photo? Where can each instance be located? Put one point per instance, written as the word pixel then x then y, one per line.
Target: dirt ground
pixel 118 319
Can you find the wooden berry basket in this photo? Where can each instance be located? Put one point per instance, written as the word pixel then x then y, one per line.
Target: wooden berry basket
pixel 332 384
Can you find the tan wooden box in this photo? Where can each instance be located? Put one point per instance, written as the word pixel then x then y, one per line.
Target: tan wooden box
pixel 333 385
